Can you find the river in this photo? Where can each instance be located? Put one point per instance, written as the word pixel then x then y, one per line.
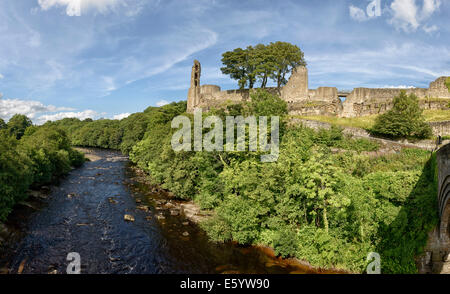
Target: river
pixel 84 213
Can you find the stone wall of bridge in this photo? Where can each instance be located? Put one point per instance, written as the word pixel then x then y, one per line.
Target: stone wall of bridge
pixel 436 258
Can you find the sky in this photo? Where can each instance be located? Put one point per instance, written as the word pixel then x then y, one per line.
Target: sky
pixel 110 58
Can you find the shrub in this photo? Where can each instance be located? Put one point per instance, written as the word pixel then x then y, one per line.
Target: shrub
pixel 404 120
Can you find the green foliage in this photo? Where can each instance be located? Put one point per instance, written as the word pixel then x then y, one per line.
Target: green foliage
pixel 329 209
pixel 113 134
pixel 240 64
pixel 404 120
pixel 2 124
pixel 40 156
pixel 265 104
pixel 18 124
pixel 15 174
pixel 447 83
pixel 287 57
pixel 262 62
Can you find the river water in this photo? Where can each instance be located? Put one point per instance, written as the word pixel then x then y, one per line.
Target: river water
pixel 85 214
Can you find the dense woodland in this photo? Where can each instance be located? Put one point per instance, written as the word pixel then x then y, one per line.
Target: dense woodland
pixel 327 199
pixel 30 157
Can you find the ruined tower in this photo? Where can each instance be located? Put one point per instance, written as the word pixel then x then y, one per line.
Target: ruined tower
pixel 194 91
pixel 297 87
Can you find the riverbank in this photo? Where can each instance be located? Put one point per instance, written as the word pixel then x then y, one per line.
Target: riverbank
pixel 85 212
pixel 192 211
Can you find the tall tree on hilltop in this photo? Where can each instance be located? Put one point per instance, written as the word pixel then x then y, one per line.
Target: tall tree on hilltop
pixel 261 63
pixel 266 63
pixel 240 64
pixel 287 57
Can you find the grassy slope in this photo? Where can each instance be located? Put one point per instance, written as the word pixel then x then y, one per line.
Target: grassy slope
pixel 366 122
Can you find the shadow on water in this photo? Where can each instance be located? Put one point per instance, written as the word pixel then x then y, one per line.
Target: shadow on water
pixel 85 214
pixel 406 236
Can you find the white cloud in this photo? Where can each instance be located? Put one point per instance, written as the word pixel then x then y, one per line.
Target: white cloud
pixel 404 15
pixel 407 16
pixel 429 7
pixel 121 115
pixel 357 13
pixel 61 115
pixel 79 7
pixel 1 76
pixel 398 87
pixel 162 103
pixel 9 107
pixel 40 113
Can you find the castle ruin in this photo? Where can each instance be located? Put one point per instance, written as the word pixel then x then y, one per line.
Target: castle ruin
pixel 321 101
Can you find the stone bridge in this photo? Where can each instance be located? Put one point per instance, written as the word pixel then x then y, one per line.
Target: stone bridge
pixel 437 252
pixel 436 258
pixel 443 164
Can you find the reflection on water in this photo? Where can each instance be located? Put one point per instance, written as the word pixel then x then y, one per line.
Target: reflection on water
pixel 85 214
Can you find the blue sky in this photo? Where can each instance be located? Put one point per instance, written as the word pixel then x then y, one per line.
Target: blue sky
pixel 108 58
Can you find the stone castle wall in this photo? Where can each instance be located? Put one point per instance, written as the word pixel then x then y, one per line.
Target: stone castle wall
pixel 321 101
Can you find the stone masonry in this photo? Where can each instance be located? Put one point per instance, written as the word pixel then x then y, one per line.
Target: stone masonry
pixel 321 101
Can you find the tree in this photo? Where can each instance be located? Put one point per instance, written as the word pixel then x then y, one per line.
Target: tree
pixel 287 57
pixel 447 83
pixel 266 63
pixel 18 124
pixel 261 63
pixel 240 64
pixel 404 120
pixel 2 124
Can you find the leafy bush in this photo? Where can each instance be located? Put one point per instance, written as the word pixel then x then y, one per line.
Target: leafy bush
pixel 404 120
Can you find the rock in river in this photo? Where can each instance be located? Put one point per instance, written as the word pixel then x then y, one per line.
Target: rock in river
pixel 128 217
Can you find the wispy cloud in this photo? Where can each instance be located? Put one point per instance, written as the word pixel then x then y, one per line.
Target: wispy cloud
pixel 81 7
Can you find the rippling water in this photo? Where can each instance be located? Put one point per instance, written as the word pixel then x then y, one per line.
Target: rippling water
pixel 85 214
